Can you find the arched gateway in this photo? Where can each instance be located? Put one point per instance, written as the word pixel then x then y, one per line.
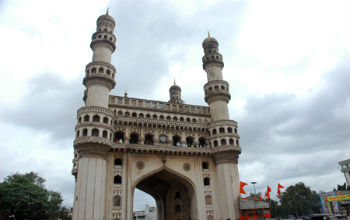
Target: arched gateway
pixel 185 156
pixel 174 194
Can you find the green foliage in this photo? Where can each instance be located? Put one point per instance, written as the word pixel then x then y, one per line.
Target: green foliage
pixel 24 196
pixel 298 200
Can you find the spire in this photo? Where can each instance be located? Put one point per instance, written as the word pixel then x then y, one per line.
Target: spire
pixel 126 93
pixel 107 11
pixel 174 82
pixel 208 34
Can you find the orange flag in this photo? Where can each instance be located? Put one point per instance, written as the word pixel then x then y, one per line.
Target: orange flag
pixel 259 196
pixel 279 187
pixel 242 185
pixel 267 194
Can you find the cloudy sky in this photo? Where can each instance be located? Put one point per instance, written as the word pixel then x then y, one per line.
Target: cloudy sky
pixel 287 63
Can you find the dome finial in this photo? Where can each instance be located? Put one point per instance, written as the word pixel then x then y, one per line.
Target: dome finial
pixel 174 82
pixel 107 11
pixel 126 93
pixel 208 34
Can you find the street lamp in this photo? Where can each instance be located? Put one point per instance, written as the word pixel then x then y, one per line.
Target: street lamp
pixel 254 187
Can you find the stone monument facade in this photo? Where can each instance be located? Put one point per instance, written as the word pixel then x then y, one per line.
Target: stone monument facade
pixel 184 156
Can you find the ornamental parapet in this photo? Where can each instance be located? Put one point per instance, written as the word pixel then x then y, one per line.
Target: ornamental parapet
pixel 162 122
pixel 99 79
pixel 95 109
pixel 153 105
pixel 221 123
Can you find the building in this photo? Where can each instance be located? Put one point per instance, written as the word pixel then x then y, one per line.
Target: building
pixel 345 168
pixel 185 156
pixel 150 213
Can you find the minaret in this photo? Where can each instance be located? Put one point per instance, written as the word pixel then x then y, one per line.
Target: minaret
pixel 94 129
pixel 175 94
pixel 223 139
pixel 100 73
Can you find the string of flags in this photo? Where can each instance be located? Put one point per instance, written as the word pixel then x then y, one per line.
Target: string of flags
pixel 267 193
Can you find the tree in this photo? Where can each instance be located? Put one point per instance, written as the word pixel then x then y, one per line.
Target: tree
pixel 24 196
pixel 298 200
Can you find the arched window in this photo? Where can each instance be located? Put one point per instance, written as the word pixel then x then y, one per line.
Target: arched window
pixel 168 118
pixel 161 117
pixel 118 162
pixel 176 141
pixel 100 70
pixel 206 181
pixel 127 113
pixel 223 142
pixel 86 118
pixel 134 139
pixel 189 141
pixel 208 200
pixel 177 195
pixel 85 132
pixel 141 115
pixel 117 179
pixel 231 141
pixel 104 134
pixel 96 118
pixel 94 132
pixel 77 134
pixel 216 87
pixel 222 87
pixel 108 72
pixel 236 130
pixel 214 131
pixel 148 139
pixel 222 130
pixel 119 137
pixel 229 130
pixel 175 118
pixel 134 114
pixel 202 142
pixel 237 142
pixel 93 70
pixel 205 165
pixel 105 120
pixel 188 119
pixel 79 119
pixel 148 116
pixel 154 117
pixel 215 143
pixel 194 120
pixel 116 200
pixel 182 119
pixel 177 208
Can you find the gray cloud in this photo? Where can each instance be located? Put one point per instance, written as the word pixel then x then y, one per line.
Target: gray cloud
pixel 49 105
pixel 295 137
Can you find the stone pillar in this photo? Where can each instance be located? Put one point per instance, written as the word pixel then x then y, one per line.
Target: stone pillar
pixel 89 201
pixel 228 192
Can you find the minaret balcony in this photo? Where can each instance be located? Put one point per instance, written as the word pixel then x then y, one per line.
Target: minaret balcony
pixel 212 58
pixel 104 37
pixel 101 78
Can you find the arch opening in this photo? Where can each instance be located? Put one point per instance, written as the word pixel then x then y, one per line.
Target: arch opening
pixel 174 195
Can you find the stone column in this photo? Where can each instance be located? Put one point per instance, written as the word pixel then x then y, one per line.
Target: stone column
pixel 89 201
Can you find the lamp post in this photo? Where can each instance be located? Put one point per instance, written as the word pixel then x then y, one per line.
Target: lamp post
pixel 254 187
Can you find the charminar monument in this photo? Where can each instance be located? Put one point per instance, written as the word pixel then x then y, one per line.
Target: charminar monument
pixel 185 156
